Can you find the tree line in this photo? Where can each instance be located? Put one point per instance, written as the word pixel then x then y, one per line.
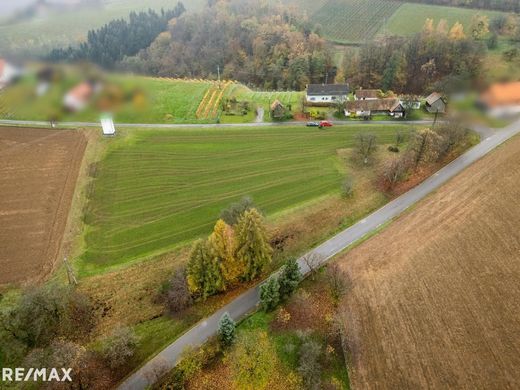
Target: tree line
pixel 260 43
pixel 109 44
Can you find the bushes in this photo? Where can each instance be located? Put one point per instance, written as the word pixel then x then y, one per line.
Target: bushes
pixel 119 347
pixel 309 365
pixel 178 295
pixel 47 312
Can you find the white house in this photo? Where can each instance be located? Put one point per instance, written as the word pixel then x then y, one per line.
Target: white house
pixel 366 108
pixel 326 93
pixel 8 73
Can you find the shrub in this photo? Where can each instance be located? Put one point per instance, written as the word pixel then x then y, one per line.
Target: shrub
pixel 178 296
pixel 46 312
pixel 309 365
pixel 232 214
pixel 270 294
pixel 393 149
pixel 226 330
pixel 119 347
pixel 347 189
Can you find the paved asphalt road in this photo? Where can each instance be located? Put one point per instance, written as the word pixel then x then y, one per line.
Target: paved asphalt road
pixel 7 122
pixel 247 302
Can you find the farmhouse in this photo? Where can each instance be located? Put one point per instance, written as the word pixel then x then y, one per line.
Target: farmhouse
pixel 502 99
pixel 435 103
pixel 8 73
pixel 366 108
pixel 326 93
pixel 368 94
pixel 78 97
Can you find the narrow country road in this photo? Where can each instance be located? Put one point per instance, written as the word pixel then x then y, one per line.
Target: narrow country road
pixel 7 122
pixel 248 301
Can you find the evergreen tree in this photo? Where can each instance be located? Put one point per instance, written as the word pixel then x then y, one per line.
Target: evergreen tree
pixel 226 330
pixel 253 249
pixel 290 276
pixel 223 243
pixel 270 293
pixel 204 276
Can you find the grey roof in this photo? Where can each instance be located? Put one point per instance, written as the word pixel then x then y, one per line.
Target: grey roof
pixel 327 89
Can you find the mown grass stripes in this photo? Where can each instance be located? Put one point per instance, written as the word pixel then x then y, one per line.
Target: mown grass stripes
pixel 156 189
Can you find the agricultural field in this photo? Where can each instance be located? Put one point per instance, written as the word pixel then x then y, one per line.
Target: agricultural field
pixel 354 21
pixel 140 99
pixel 155 190
pixel 38 171
pixel 410 18
pixel 209 107
pixel 58 29
pixel 436 294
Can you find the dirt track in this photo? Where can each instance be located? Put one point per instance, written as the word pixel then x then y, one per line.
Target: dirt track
pixel 436 297
pixel 38 172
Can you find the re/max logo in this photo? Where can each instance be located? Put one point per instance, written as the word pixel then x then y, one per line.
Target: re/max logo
pixel 36 374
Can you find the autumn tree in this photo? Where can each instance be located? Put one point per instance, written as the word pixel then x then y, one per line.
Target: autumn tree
pixel 253 360
pixel 394 170
pixel 223 244
pixel 424 147
pixel 479 26
pixel 204 275
pixel 366 145
pixel 339 282
pixel 119 347
pixel 253 249
pixel 428 28
pixel 457 32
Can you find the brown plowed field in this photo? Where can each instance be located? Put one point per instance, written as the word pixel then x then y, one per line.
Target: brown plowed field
pixel 38 172
pixel 435 302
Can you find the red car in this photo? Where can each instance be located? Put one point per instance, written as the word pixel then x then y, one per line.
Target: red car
pixel 325 124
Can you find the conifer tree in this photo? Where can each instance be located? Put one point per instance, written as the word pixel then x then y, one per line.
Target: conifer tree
pixel 226 330
pixel 223 243
pixel 204 276
pixel 253 249
pixel 290 276
pixel 270 293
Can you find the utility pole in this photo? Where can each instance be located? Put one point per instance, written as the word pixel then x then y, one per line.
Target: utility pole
pixel 327 77
pixel 70 273
pixel 218 72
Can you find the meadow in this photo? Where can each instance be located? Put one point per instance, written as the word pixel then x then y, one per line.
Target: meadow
pixel 410 18
pixel 157 189
pixel 58 29
pixel 142 99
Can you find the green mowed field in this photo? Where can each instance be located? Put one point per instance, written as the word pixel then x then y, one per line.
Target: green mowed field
pixel 163 100
pixel 57 29
pixel 354 21
pixel 157 189
pixel 410 18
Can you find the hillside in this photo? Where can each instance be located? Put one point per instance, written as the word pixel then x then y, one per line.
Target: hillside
pixel 436 295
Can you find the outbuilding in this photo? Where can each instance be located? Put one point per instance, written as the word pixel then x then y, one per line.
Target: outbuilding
pixel 436 103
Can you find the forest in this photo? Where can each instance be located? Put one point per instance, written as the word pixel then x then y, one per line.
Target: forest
pixel 269 46
pixel 111 43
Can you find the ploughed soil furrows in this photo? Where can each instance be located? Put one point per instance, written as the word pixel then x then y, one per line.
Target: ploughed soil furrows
pixel 435 301
pixel 38 172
